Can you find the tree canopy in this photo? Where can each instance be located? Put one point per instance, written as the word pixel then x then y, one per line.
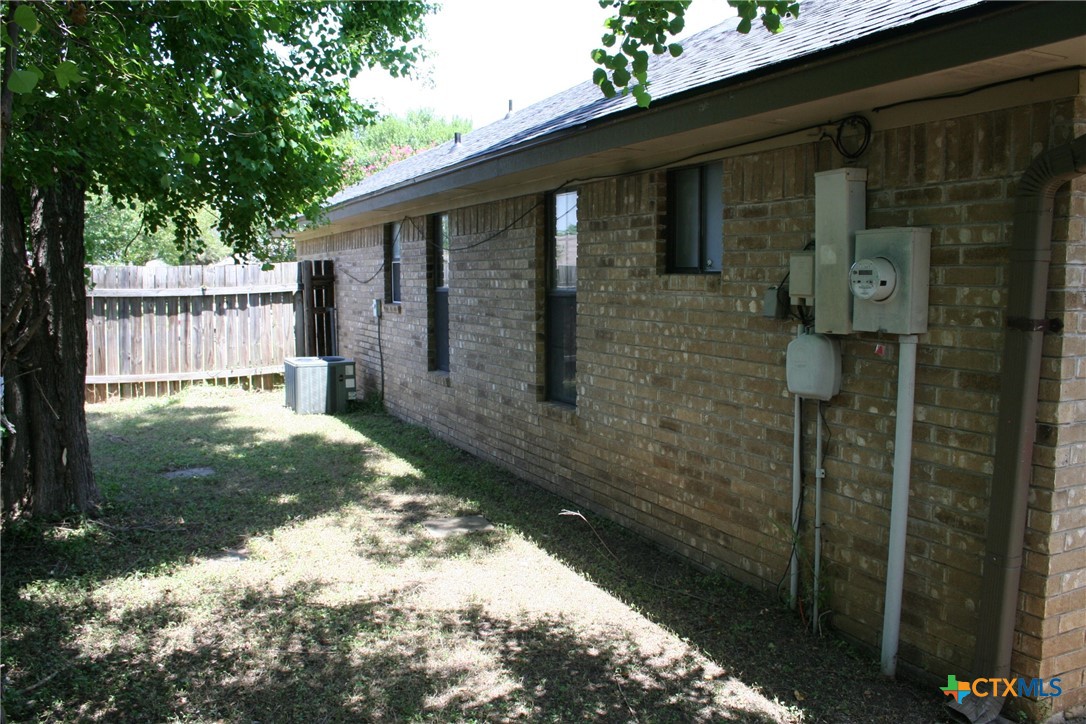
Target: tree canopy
pixel 116 234
pixel 177 107
pixel 640 26
pixel 186 105
pixel 394 138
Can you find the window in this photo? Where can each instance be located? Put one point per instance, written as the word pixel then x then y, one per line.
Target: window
pixel 561 311
pixel 439 256
pixel 392 262
pixel 696 219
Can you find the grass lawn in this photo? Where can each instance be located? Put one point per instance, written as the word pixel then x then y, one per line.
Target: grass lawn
pixel 293 581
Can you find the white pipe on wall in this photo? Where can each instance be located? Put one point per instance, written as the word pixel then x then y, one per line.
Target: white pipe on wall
pixel 899 502
pixel 819 475
pixel 797 487
pixel 797 476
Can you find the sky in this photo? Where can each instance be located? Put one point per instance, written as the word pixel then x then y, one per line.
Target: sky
pixel 485 53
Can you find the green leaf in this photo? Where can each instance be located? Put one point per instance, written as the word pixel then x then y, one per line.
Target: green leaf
pixel 675 49
pixel 23 81
pixel 26 18
pixel 67 72
pixel 744 26
pixel 599 75
pixel 642 95
pixel 621 77
pixel 192 158
pixel 267 266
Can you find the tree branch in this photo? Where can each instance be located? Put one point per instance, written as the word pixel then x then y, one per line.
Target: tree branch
pixel 7 97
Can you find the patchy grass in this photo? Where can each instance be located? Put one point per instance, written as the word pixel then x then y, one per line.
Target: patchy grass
pixel 295 582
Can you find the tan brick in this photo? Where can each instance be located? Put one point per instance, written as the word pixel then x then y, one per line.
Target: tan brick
pixel 683 425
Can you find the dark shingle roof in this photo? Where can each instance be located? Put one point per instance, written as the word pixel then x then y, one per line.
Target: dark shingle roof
pixel 709 57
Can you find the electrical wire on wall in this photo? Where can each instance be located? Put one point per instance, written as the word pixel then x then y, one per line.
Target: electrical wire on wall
pixel 380 349
pixel 851 138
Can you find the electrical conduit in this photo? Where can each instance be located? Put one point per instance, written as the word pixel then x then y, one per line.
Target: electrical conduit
pixel 797 477
pixel 899 502
pixel 820 473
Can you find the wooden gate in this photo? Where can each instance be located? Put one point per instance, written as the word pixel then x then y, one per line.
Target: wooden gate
pixel 315 319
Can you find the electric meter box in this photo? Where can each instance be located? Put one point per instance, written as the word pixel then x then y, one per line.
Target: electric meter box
pixel 889 280
pixel 813 366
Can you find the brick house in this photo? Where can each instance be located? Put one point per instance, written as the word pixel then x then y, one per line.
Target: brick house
pixel 582 292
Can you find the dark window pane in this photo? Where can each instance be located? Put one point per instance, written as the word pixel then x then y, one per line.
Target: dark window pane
pixel 712 216
pixel 686 237
pixel 562 347
pixel 441 330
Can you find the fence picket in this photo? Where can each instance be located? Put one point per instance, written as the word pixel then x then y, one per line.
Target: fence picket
pixel 152 329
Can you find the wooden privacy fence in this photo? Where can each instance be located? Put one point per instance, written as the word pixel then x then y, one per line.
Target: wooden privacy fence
pixel 150 330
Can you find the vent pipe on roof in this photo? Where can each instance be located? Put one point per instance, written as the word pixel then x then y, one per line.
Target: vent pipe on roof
pixel 510 112
pixel 457 138
pixel 1016 431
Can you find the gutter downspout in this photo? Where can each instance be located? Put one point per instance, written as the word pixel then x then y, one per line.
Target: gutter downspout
pixel 1030 254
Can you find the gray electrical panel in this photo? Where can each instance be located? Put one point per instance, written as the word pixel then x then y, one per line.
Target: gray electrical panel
pixel 840 211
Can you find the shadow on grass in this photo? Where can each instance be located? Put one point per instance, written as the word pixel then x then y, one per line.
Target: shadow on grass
pixel 374 661
pixel 278 669
pixel 751 634
pixel 150 520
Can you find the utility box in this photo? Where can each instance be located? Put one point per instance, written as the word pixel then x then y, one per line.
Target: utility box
pixel 801 278
pixel 840 211
pixel 889 280
pixel 318 385
pixel 813 366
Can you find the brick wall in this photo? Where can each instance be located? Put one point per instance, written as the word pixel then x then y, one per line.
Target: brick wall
pixel 683 425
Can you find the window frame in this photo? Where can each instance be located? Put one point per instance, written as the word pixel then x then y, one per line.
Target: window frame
pixel 560 308
pixel 393 263
pixel 439 257
pixel 707 224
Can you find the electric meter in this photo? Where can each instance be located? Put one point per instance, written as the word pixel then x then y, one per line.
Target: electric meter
pixel 873 279
pixel 889 281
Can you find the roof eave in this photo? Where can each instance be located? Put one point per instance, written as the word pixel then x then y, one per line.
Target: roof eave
pixel 936 44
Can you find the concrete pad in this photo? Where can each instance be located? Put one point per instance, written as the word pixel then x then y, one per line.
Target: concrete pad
pixel 460 525
pixel 190 473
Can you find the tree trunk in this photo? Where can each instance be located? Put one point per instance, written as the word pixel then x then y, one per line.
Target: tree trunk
pixel 46 463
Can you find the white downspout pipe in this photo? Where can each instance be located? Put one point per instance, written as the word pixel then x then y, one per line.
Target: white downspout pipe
pixel 819 475
pixel 797 477
pixel 899 503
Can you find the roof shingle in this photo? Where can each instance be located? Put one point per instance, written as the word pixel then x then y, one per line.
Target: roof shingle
pixel 712 56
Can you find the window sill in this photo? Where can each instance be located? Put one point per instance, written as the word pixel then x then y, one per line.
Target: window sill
pixel 560 411
pixel 392 308
pixel 439 377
